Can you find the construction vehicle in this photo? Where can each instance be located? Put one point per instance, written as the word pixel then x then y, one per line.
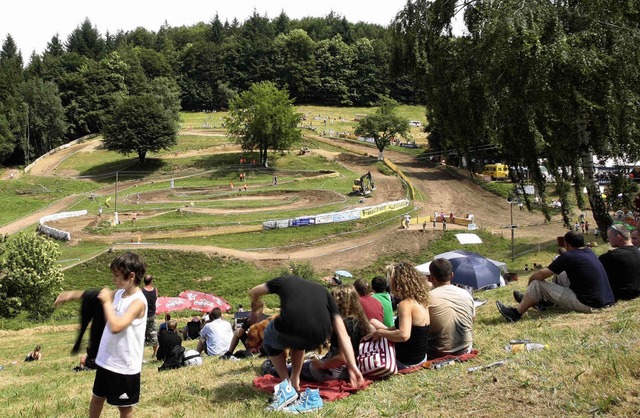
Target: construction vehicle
pixel 364 185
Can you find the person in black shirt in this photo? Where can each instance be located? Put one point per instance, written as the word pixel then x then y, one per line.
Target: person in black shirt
pixel 168 339
pixel 151 332
pixel 588 289
pixel 308 314
pixel 622 263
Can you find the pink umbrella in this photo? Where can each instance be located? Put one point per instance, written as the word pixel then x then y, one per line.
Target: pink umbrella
pixel 169 304
pixel 204 302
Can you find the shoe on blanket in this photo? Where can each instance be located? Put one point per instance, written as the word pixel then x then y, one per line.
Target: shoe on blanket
pixel 309 401
pixel 283 395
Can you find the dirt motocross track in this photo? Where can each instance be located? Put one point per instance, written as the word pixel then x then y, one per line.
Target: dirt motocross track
pixel 441 189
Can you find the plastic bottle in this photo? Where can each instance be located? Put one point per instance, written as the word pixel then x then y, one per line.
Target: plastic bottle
pixel 516 348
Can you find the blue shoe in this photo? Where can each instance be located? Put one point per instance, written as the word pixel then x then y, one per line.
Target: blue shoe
pixel 309 401
pixel 283 395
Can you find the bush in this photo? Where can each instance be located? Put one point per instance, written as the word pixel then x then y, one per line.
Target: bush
pixel 30 277
pixel 303 269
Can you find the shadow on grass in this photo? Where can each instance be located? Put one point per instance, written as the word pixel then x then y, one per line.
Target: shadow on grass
pixel 218 161
pixel 234 392
pixel 127 169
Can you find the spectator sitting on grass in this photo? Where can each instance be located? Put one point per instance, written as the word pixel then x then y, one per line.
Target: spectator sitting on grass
pixel 411 328
pixel 587 291
pixel 452 312
pixel 216 335
pixel 622 263
pixel 379 285
pixel 371 306
pixel 240 333
pixel 168 339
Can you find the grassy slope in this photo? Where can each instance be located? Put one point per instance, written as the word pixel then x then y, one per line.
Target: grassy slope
pixel 591 367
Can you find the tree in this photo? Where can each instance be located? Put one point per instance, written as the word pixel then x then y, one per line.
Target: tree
pixel 537 80
pixel 140 124
pixel 369 72
pixel 263 117
pixel 255 50
pixel 7 139
pixel 215 30
pixel 12 119
pixel 91 91
pixel 294 62
pixel 383 125
pixel 86 41
pixel 334 60
pixel 166 90
pixel 30 277
pixel 46 123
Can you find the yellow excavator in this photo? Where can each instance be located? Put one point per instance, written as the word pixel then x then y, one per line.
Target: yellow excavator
pixel 364 185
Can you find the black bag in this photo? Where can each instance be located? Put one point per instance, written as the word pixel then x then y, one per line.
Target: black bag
pixel 174 359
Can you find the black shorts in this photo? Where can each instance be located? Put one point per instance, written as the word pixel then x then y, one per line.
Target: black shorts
pixel 119 389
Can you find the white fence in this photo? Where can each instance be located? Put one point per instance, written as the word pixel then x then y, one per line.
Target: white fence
pixel 56 233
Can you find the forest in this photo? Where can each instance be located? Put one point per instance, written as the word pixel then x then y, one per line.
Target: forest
pixel 68 90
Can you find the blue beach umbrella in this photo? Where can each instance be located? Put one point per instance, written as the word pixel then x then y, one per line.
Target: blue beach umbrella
pixel 469 269
pixel 475 271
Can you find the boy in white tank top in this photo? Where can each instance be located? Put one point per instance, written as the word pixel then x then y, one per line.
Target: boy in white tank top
pixel 121 349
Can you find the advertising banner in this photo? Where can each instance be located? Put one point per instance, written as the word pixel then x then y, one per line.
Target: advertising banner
pixel 350 215
pixel 306 221
pixel 325 218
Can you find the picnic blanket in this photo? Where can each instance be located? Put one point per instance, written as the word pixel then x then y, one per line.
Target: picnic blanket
pixel 330 390
pixel 429 363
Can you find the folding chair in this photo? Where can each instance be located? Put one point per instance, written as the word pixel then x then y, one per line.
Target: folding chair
pixel 193 330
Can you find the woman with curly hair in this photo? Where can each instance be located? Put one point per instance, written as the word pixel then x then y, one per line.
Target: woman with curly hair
pixel 411 329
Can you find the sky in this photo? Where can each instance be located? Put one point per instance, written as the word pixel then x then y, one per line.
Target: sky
pixel 32 23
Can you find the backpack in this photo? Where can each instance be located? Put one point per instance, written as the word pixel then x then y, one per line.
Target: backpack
pixel 174 358
pixel 191 358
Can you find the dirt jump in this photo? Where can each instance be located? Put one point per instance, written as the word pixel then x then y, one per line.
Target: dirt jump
pixel 442 189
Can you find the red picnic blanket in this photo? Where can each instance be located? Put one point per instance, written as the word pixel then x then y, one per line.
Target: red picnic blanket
pixel 429 363
pixel 330 390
